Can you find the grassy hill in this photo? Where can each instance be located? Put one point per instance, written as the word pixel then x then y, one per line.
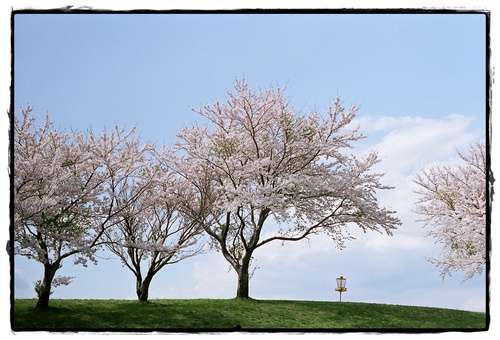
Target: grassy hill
pixel 245 315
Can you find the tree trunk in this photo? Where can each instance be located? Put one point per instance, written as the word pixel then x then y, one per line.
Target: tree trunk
pixel 45 289
pixel 143 288
pixel 43 299
pixel 242 291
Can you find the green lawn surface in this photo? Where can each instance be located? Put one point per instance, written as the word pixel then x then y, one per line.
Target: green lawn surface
pixel 250 315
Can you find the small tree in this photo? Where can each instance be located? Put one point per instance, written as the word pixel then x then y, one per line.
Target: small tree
pixel 154 231
pixel 452 201
pixel 65 187
pixel 259 158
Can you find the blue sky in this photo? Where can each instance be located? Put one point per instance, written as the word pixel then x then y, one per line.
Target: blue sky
pixel 420 81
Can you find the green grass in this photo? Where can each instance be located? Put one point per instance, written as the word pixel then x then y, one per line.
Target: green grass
pixel 224 315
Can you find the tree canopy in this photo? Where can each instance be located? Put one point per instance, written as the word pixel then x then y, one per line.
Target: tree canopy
pixel 68 190
pixel 452 202
pixel 258 158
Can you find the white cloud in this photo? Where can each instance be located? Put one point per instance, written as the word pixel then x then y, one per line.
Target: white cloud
pixel 382 243
pixel 206 276
pixel 407 145
pixel 388 123
pixel 21 283
pixel 214 278
pixel 475 303
pixel 415 142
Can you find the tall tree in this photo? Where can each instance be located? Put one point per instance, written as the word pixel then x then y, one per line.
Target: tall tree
pixel 65 188
pixel 259 159
pixel 452 202
pixel 154 231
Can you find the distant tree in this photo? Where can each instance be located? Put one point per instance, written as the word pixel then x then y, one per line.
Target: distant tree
pixel 259 159
pixel 452 201
pixel 65 187
pixel 154 231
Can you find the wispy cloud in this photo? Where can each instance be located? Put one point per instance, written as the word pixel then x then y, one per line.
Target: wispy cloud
pixel 398 242
pixel 20 281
